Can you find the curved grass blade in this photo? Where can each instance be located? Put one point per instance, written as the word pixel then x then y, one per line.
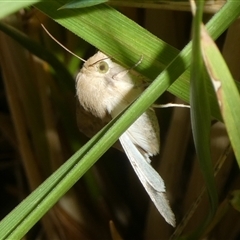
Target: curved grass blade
pixel 225 88
pixel 201 115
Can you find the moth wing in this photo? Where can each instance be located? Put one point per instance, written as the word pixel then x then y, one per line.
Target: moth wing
pixel 149 178
pixel 142 163
pixel 144 132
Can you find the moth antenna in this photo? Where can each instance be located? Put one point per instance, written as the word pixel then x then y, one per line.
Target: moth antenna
pixel 127 70
pixel 98 61
pixel 51 36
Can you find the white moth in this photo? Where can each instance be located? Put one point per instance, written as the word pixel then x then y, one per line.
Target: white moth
pixel 104 87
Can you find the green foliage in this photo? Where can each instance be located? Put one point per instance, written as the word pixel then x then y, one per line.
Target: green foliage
pixel 163 65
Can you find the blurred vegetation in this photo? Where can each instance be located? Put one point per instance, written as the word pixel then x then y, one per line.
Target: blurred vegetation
pixel 38 131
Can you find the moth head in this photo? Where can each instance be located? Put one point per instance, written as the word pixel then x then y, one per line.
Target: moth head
pixel 98 62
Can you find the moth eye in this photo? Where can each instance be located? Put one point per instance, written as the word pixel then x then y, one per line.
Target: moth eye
pixel 103 67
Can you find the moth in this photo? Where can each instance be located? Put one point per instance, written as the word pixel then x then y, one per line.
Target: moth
pixel 105 88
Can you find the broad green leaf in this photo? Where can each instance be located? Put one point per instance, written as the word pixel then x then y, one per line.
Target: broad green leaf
pixel 225 88
pixel 82 3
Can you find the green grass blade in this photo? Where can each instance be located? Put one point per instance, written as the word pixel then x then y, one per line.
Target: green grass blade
pixel 225 88
pixel 119 49
pixel 19 221
pixel 51 190
pixel 123 39
pixel 28 212
pixel 201 115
